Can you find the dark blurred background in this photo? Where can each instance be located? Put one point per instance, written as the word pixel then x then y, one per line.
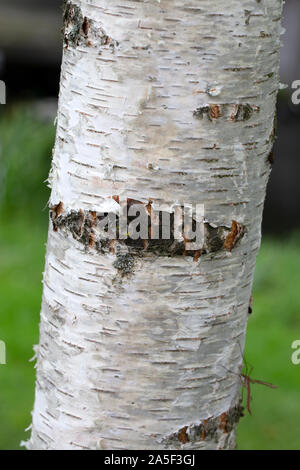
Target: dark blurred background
pixel 30 58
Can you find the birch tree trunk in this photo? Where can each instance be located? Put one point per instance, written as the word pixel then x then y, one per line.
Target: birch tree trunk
pixel 167 101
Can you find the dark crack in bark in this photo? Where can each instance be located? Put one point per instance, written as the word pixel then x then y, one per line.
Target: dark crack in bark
pixel 88 228
pixel 80 30
pixel 209 429
pixel 235 113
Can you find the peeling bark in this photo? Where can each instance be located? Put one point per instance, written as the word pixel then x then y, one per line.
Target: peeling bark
pixel 84 226
pixel 215 431
pixel 171 101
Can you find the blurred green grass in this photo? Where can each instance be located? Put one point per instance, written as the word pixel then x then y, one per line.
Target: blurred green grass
pixel 275 323
pixel 25 155
pixel 22 250
pixel 273 326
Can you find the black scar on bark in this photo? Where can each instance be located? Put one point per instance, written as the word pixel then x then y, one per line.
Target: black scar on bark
pixel 243 112
pixel 213 112
pixel 124 263
pixel 210 429
pixel 82 27
pixel 83 226
pixel 240 112
pixel 73 17
pixel 199 113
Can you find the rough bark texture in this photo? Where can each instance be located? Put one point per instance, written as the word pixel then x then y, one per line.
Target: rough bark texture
pixel 166 101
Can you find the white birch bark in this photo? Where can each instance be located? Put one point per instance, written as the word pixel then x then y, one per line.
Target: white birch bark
pixel 174 101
